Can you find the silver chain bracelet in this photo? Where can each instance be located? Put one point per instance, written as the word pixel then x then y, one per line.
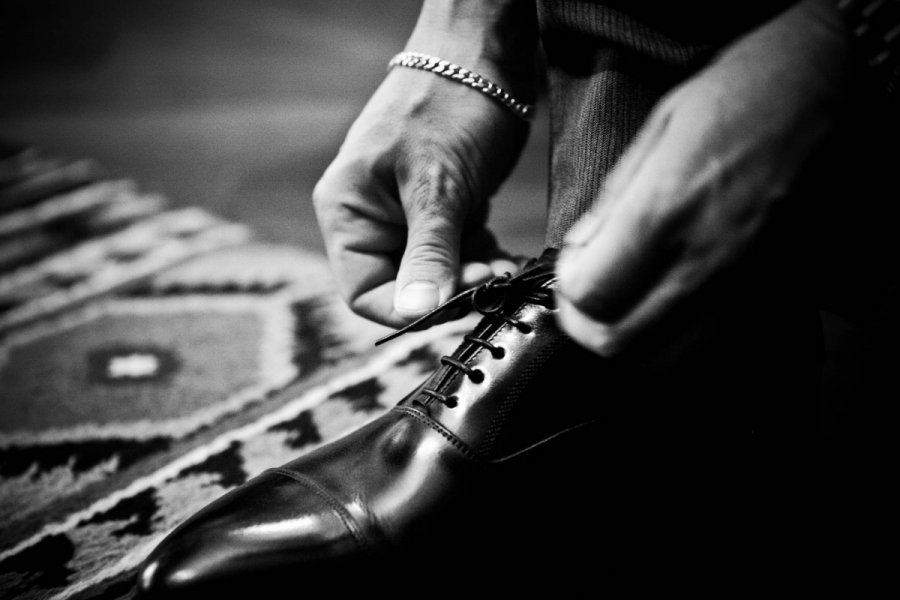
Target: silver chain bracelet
pixel 444 68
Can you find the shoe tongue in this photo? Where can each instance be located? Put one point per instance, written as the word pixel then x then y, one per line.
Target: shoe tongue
pixel 547 258
pixel 545 262
pixel 549 254
pixel 449 379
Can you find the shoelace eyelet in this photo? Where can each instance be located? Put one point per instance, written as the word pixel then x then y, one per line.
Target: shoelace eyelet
pixel 448 401
pixel 490 299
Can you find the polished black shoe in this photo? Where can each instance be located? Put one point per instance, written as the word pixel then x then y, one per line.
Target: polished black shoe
pixel 521 458
pixel 488 454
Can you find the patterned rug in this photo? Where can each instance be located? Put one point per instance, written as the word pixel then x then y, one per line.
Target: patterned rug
pixel 152 359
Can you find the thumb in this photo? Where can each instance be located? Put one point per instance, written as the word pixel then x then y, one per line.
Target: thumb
pixel 429 268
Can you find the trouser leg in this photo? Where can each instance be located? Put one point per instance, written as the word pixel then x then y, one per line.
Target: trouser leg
pixel 606 72
pixel 725 457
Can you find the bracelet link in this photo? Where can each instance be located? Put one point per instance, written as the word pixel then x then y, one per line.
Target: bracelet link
pixel 444 68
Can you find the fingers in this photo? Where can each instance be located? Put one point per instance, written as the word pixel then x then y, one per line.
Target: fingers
pixel 397 259
pixel 632 269
pixel 619 250
pixel 411 177
pixel 429 269
pixel 610 273
pixel 476 273
pixel 364 232
pixel 652 325
pixel 440 256
pixel 483 259
pixel 620 178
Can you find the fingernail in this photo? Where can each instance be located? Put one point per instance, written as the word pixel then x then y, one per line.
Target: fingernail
pixel 417 298
pixel 581 232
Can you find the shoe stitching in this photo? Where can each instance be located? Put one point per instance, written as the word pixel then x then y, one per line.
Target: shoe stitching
pixel 446 433
pixel 336 506
pixel 500 418
pixel 546 440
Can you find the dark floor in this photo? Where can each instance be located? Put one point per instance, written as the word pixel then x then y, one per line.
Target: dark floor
pixel 236 105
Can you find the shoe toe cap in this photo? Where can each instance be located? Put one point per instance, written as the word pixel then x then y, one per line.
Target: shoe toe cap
pixel 272 530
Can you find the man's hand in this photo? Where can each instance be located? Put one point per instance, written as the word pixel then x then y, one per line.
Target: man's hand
pixel 701 182
pixel 403 205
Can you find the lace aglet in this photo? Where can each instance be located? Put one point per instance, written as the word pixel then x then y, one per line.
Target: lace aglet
pixel 455 300
pixel 389 337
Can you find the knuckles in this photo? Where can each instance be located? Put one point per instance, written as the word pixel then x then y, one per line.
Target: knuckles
pixel 597 337
pixel 427 252
pixel 571 280
pixel 322 196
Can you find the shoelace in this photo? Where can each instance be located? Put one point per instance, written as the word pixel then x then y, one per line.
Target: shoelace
pixel 490 299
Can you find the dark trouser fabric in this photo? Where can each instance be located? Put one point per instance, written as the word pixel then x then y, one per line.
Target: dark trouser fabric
pixel 606 71
pixel 741 420
pixel 836 248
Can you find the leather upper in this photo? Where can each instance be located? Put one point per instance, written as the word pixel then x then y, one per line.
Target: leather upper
pixel 423 471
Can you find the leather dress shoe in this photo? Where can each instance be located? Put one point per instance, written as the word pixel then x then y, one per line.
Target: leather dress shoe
pixel 481 460
pixel 521 455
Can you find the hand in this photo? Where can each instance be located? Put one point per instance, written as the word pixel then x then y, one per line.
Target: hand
pixel 702 183
pixel 402 208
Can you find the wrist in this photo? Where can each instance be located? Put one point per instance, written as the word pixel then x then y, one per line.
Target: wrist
pixel 497 38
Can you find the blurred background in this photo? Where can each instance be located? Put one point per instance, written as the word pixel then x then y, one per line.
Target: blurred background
pixel 234 105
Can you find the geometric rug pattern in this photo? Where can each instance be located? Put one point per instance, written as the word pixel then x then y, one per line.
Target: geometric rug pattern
pixel 152 359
